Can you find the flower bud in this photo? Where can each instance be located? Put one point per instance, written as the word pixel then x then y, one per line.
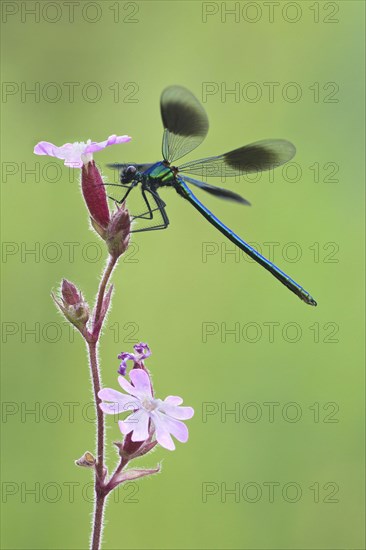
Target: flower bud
pixel 99 229
pixel 70 294
pixel 118 232
pixel 132 449
pixel 129 448
pixel 72 305
pixel 94 194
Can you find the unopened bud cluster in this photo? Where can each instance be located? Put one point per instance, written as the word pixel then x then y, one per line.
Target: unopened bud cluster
pixel 72 304
pixel 113 227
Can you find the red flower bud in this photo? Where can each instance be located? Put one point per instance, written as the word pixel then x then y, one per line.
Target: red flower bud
pixel 132 449
pixel 70 294
pixel 94 194
pixel 118 232
pixel 73 305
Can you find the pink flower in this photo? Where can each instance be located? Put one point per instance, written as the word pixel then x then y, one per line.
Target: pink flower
pixel 163 417
pixel 78 153
pixel 113 227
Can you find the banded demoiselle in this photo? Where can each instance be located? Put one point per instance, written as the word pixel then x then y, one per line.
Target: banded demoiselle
pixel 185 127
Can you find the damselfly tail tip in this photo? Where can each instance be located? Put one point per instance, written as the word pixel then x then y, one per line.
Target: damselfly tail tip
pixel 307 298
pixel 310 300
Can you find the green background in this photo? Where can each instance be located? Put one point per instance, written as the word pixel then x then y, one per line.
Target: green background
pixel 166 294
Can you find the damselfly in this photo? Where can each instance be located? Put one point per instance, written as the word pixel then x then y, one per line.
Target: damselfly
pixel 185 127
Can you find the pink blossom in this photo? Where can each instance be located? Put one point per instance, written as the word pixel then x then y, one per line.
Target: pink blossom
pixel 164 417
pixel 78 153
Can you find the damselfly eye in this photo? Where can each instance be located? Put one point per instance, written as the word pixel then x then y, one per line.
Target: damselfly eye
pixel 128 174
pixel 131 170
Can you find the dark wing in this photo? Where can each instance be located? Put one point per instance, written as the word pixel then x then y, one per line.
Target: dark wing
pixel 217 191
pixel 185 122
pixel 256 157
pixel 139 167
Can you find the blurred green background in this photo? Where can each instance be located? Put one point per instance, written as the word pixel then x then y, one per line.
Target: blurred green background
pixel 117 57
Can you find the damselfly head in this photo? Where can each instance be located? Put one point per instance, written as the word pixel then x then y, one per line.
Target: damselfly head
pixel 128 174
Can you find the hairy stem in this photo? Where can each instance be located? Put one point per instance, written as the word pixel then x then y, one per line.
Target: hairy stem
pixel 100 493
pixel 92 347
pixel 99 467
pixel 103 283
pixel 98 522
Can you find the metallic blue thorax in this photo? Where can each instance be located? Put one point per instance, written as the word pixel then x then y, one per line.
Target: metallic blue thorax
pixel 160 173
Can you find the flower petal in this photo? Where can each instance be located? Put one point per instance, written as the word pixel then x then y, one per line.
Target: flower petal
pixel 173 400
pixel 130 423
pixel 47 148
pixel 182 413
pixel 162 433
pixel 120 402
pixel 141 381
pixel 125 427
pixel 112 140
pixel 76 154
pixel 128 387
pixel 141 428
pixel 71 154
pixel 175 427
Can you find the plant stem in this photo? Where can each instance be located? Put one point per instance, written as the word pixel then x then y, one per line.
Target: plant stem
pixel 92 347
pixel 103 283
pixel 100 493
pixel 98 522
pixel 99 467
